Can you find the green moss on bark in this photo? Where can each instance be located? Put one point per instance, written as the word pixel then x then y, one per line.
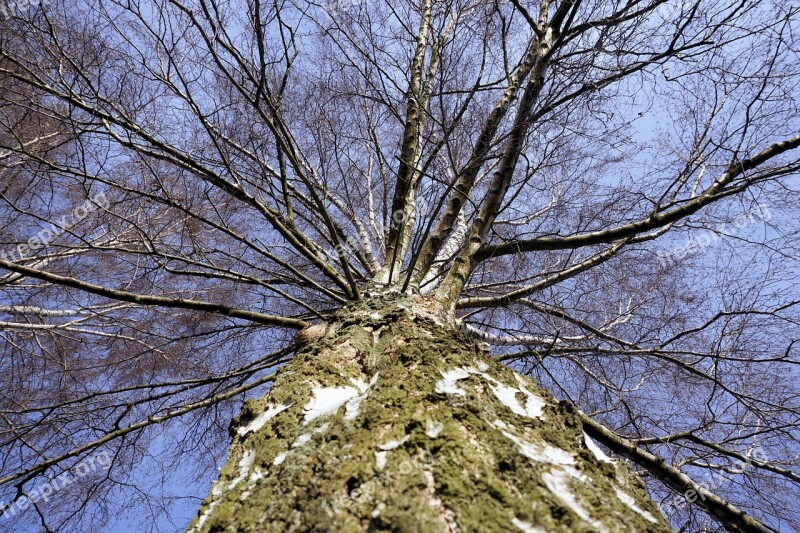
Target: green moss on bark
pixel 401 454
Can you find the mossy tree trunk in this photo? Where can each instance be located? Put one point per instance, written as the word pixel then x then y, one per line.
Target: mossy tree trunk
pixel 388 420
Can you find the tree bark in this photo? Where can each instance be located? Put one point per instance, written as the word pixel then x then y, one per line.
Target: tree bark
pixel 388 419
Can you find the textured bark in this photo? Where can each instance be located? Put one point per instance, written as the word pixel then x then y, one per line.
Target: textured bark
pixel 389 420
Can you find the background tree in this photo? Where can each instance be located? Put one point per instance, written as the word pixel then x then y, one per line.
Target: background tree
pixel 605 193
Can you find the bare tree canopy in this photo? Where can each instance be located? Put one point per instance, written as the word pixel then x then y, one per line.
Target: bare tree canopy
pixel 605 192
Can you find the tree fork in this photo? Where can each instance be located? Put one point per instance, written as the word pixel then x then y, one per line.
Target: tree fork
pixel 391 420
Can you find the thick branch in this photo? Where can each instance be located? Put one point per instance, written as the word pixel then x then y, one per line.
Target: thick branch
pixel 656 220
pixel 160 301
pixel 728 514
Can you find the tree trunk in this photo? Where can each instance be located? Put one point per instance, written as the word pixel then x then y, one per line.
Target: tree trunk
pixel 389 420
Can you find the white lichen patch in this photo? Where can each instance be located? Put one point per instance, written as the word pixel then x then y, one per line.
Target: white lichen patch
pixel 534 404
pixel 204 517
pixel 262 419
pixel 595 449
pixel 217 489
pixel 433 429
pixel 380 460
pixel 361 386
pixel 244 468
pixel 353 406
pixel 393 444
pixel 630 501
pixel 558 482
pixel 382 456
pixel 302 439
pixel 280 458
pixel 525 527
pixel 541 452
pixel 328 400
pixel 574 473
pixel 449 382
pixel 500 424
pixel 508 397
pixel 257 475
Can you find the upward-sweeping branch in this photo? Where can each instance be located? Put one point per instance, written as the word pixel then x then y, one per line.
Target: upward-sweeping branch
pixel 659 217
pixel 734 519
